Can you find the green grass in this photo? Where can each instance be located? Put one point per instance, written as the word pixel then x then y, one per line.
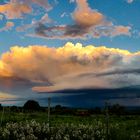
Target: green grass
pixel 126 125
pixel 130 120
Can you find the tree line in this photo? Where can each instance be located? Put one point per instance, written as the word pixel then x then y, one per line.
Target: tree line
pixel 33 106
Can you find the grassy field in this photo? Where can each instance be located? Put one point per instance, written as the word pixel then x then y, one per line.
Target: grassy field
pixel 119 127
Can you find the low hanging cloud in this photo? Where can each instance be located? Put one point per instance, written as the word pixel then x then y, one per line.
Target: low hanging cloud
pixel 70 67
pixel 87 23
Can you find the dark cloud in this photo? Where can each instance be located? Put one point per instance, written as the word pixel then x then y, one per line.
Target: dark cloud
pixel 66 31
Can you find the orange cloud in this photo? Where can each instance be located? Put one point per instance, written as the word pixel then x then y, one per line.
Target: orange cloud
pixel 15 9
pixel 118 30
pixel 71 66
pixel 87 23
pixel 6 96
pixel 112 31
pixel 85 16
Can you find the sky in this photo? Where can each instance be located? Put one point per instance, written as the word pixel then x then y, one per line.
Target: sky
pixel 58 13
pixel 48 46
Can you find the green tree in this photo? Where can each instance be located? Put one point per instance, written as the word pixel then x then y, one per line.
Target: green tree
pixel 31 105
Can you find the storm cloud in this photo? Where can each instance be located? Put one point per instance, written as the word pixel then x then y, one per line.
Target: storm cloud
pixel 70 67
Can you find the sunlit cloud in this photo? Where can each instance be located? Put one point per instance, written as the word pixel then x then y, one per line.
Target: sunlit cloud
pixel 88 23
pixel 15 9
pixel 70 67
pixel 112 31
pixel 85 16
pixel 18 8
pixel 4 96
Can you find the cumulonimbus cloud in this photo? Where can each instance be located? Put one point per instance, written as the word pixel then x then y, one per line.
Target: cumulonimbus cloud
pixel 71 67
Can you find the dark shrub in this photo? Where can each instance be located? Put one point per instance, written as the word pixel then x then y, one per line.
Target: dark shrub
pixel 31 105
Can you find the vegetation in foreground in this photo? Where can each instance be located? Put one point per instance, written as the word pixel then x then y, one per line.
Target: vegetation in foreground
pixel 71 128
pixel 33 125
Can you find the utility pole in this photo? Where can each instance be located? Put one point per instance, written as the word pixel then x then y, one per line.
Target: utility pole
pixel 49 103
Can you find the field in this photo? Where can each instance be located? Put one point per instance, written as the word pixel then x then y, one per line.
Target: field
pixel 34 126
